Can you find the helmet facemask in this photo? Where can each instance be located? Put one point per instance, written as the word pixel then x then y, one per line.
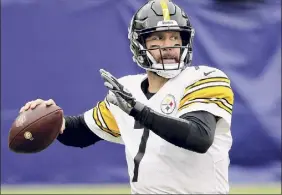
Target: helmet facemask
pixel 159 16
pixel 145 60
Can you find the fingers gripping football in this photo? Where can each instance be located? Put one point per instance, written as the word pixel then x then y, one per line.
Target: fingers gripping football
pixel 34 103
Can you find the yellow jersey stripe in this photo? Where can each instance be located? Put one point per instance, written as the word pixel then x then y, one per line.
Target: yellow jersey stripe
pixel 216 102
pixel 222 100
pixel 164 6
pixel 100 117
pixel 110 132
pixel 208 80
pixel 108 117
pixel 95 117
pixel 221 105
pixel 217 91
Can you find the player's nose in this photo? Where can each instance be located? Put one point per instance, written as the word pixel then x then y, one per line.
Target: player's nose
pixel 168 44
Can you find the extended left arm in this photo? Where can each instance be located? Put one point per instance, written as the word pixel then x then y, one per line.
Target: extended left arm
pixel 193 131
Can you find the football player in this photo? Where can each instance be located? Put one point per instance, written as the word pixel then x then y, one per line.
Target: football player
pixel 174 120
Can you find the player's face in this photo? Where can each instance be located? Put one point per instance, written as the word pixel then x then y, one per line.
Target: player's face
pixel 164 39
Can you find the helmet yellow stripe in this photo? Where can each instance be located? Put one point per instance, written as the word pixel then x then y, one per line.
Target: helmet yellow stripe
pixel 165 10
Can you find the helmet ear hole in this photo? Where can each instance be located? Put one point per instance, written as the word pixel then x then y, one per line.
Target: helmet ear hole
pixel 140 59
pixel 185 38
pixel 142 40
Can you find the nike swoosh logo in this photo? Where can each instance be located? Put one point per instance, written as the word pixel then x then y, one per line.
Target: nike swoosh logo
pixel 207 73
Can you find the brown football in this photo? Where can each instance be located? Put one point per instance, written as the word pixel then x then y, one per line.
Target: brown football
pixel 34 130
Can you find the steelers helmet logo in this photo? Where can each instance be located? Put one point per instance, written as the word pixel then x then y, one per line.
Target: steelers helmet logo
pixel 28 135
pixel 168 104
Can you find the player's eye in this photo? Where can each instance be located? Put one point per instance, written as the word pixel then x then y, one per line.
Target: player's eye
pixel 155 38
pixel 154 46
pixel 174 38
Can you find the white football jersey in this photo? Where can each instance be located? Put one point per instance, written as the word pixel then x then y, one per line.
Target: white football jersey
pixel 155 165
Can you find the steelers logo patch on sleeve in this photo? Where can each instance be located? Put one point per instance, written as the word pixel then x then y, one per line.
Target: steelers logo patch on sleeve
pixel 168 104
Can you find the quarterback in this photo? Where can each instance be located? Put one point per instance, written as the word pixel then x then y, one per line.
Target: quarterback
pixel 174 120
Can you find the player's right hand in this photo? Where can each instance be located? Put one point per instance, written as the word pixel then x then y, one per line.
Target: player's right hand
pixel 32 104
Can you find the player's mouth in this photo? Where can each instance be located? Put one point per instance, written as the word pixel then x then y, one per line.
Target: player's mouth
pixel 169 61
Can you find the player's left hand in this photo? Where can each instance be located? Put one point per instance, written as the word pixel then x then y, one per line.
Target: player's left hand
pixel 121 96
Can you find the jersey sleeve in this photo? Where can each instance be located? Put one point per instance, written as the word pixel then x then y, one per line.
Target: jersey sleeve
pixel 212 94
pixel 101 121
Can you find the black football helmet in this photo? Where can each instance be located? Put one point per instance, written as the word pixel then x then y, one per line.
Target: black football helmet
pixel 160 15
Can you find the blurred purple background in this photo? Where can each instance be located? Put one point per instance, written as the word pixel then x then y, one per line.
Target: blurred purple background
pixel 54 49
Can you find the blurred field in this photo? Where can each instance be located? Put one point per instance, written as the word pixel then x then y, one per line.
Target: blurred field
pixel 119 189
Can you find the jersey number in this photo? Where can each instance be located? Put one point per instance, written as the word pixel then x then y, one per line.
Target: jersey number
pixel 141 150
